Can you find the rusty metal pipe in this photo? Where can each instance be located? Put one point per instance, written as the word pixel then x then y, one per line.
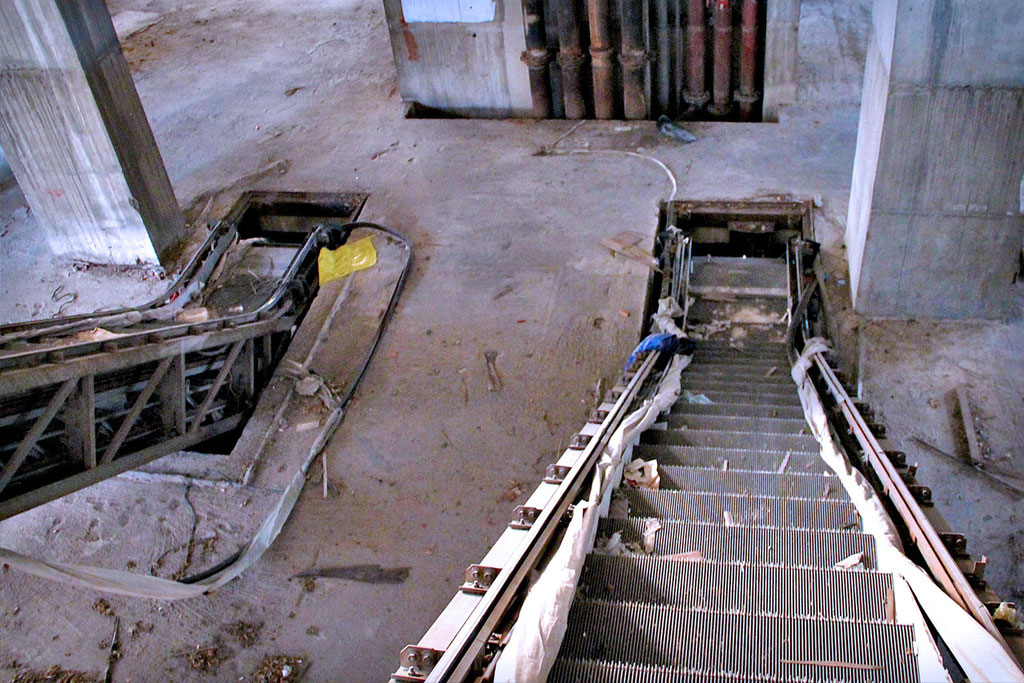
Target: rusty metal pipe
pixel 633 57
pixel 537 57
pixel 664 56
pixel 696 96
pixel 602 63
pixel 721 87
pixel 570 59
pixel 747 95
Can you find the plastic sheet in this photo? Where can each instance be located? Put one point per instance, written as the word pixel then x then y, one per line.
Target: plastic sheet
pixel 334 264
pixel 980 655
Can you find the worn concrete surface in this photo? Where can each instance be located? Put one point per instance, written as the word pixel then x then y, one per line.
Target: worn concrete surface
pixel 909 376
pixel 426 456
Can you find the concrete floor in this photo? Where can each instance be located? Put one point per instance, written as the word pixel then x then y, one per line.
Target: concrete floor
pixel 426 455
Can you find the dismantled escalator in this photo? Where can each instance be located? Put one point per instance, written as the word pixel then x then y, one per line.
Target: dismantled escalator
pixel 727 514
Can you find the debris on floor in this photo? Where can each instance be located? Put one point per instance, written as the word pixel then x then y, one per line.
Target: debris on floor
pixel 205 658
pixel 515 489
pixel 280 668
pixel 651 528
pixel 670 128
pixel 246 633
pixel 854 561
pixel 642 474
pixel 493 376
pixel 54 674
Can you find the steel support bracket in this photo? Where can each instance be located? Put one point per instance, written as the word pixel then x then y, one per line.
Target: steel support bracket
pixel 416 663
pixel 479 578
pixel 524 517
pixel 579 441
pixel 555 474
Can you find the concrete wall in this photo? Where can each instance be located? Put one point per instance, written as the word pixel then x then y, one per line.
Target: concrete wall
pixel 469 68
pixel 474 68
pixel 934 225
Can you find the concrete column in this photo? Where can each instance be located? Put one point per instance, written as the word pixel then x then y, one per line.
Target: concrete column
pixel 935 217
pixel 782 26
pixel 76 135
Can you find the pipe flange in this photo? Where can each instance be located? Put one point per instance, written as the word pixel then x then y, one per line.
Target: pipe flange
pixel 746 99
pixel 633 59
pixel 570 60
pixel 720 109
pixel 602 57
pixel 536 58
pixel 697 101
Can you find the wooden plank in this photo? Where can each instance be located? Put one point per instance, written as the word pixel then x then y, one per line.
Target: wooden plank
pixel 627 243
pixel 974 452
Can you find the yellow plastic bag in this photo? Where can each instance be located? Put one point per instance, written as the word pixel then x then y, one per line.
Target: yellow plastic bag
pixel 348 258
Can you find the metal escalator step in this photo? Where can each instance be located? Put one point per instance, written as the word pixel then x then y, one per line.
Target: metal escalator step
pixel 753 589
pixel 788 484
pixel 724 347
pixel 779 377
pixel 739 385
pixel 791 648
pixel 751 396
pixel 771 425
pixel 743 510
pixel 705 358
pixel 760 545
pixel 719 439
pixel 737 458
pixel 567 670
pixel 737 409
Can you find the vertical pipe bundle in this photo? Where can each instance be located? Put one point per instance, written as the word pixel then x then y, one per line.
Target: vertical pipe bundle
pixel 634 60
pixel 721 87
pixel 536 57
pixel 696 96
pixel 747 95
pixel 570 59
pixel 601 59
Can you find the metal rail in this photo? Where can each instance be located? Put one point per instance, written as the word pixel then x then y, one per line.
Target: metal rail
pixel 468 631
pixel 941 564
pixel 80 412
pixel 939 561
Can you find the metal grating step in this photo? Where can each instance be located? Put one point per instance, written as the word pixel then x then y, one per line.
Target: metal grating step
pixel 780 376
pixel 743 510
pixel 740 385
pixel 766 349
pixel 718 439
pixel 752 396
pixel 595 671
pixel 759 545
pixel 792 648
pixel 733 458
pixel 787 485
pixel 753 589
pixel 769 425
pixel 738 409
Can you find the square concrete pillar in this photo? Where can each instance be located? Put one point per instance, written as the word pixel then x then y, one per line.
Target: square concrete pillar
pixel 935 217
pixel 782 26
pixel 76 135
